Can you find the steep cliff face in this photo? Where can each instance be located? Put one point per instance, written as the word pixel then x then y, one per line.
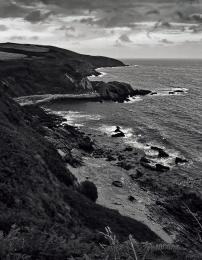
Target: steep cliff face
pixel 38 192
pixel 31 69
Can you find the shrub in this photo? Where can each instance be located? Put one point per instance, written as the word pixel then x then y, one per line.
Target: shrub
pixel 89 189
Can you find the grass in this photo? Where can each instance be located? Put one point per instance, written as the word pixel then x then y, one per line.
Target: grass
pixel 35 245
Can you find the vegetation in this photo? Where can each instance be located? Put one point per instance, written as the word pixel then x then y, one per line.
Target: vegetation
pixel 34 245
pixel 89 189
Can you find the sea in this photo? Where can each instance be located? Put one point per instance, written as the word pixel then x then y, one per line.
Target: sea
pixel 169 119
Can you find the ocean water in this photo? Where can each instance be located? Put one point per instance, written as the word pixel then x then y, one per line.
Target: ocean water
pixel 172 122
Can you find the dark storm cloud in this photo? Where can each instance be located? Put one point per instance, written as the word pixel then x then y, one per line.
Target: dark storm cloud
pixel 106 13
pixel 9 9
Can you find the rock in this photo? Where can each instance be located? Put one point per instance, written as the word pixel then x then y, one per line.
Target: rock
pixel 128 149
pixel 141 92
pixel 110 158
pixel 131 198
pixel 148 166
pixel 121 157
pixel 86 144
pixel 125 165
pixel 162 153
pixel 133 176
pixel 117 91
pixel 179 91
pixel 180 160
pixel 118 184
pixel 137 175
pixel 118 129
pixel 161 168
pixel 120 134
pixel 144 160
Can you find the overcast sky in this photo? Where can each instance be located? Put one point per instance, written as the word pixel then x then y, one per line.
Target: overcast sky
pixel 116 28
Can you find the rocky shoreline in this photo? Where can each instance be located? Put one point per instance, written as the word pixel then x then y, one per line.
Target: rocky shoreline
pixel 50 170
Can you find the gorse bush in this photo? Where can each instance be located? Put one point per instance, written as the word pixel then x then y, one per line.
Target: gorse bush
pixel 89 189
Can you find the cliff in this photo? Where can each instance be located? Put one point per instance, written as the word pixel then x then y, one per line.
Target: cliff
pixel 32 69
pixel 41 197
pixel 38 70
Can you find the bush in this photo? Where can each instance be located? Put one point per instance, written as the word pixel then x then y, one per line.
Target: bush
pixel 89 189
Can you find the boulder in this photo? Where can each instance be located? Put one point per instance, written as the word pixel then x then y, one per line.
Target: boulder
pixel 162 168
pixel 110 158
pixel 118 184
pixel 137 175
pixel 128 149
pixel 162 153
pixel 119 134
pixel 179 91
pixel 148 166
pixel 180 160
pixel 131 198
pixel 118 129
pixel 144 160
pixel 125 165
pixel 141 92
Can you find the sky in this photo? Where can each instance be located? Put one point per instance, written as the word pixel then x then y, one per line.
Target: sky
pixel 115 28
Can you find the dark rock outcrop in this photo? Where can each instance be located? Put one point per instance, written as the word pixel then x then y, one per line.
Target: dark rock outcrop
pixel 116 91
pixel 179 160
pixel 162 168
pixel 119 134
pixel 161 152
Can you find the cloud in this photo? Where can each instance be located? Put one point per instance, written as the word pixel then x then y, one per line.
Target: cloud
pixel 3 27
pixel 166 41
pixel 9 9
pixel 101 25
pixel 124 38
pixel 37 16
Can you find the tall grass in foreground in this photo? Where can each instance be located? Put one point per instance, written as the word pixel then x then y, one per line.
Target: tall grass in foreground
pixel 34 245
pixel 133 250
